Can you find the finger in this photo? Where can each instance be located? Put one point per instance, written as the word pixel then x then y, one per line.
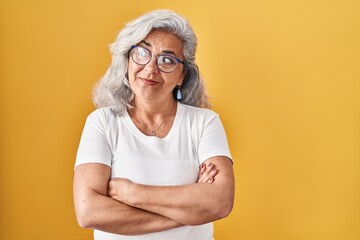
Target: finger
pixel 201 173
pixel 211 180
pixel 214 172
pixel 202 168
pixel 209 175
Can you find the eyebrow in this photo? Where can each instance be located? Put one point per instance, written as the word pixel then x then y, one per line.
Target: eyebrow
pixel 164 51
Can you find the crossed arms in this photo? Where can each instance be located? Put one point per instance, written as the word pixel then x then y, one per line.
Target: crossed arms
pixel 123 207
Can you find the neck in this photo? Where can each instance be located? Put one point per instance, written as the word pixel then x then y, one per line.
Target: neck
pixel 153 119
pixel 151 113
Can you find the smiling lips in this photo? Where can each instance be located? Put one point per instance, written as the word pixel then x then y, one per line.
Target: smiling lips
pixel 148 81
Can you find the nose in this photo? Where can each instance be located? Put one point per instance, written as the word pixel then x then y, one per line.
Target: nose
pixel 152 66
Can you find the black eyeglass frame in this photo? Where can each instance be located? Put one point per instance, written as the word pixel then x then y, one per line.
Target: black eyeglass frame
pixel 157 57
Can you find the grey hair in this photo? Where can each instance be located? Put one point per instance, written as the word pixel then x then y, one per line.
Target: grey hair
pixel 114 90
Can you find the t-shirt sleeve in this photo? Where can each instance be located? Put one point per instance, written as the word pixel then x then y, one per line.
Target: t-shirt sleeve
pixel 94 146
pixel 213 141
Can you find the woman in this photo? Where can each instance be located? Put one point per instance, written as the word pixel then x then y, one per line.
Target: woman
pixel 151 162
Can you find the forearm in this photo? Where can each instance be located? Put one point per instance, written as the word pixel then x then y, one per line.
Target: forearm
pixel 106 214
pixel 94 209
pixel 189 204
pixel 192 204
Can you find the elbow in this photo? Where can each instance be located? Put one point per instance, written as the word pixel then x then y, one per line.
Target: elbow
pixel 83 216
pixel 83 221
pixel 226 204
pixel 224 209
pixel 210 214
pixel 224 212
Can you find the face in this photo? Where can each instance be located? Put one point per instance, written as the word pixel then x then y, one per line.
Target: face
pixel 148 82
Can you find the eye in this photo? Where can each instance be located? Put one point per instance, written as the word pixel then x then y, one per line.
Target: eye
pixel 166 60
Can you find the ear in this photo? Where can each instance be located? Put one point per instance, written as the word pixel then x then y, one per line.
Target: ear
pixel 182 77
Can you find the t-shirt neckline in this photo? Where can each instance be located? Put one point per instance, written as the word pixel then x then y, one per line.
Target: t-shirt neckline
pixel 134 130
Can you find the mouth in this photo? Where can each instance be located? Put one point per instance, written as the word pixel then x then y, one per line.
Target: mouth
pixel 149 82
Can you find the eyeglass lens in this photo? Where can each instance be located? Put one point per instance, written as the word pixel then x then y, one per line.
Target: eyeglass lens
pixel 165 62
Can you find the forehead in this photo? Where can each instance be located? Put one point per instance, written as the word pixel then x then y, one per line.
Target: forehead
pixel 163 41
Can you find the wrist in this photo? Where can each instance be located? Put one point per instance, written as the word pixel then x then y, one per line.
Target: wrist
pixel 121 189
pixel 131 193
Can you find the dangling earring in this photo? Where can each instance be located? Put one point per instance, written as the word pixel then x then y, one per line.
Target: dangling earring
pixel 178 94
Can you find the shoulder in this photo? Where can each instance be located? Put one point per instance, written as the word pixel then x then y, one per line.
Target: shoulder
pixel 102 114
pixel 196 111
pixel 102 117
pixel 200 114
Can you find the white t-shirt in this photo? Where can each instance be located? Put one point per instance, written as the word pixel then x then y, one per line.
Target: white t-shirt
pixel 196 135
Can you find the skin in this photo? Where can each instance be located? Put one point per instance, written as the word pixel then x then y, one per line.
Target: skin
pixel 95 209
pixel 191 204
pixel 148 83
pixel 123 207
pixel 154 101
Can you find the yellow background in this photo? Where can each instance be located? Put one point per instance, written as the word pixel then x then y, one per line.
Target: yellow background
pixel 283 75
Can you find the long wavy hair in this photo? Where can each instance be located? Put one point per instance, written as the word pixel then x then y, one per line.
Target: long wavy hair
pixel 114 90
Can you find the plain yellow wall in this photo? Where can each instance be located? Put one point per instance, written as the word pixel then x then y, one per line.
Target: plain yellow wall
pixel 283 75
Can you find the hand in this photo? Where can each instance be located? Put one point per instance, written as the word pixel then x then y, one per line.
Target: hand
pixel 120 189
pixel 207 173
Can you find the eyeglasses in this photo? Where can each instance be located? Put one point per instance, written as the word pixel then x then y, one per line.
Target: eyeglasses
pixel 165 62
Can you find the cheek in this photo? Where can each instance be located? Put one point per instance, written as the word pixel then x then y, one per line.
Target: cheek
pixel 179 77
pixel 133 69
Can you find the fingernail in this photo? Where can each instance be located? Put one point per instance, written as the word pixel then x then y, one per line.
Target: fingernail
pixel 214 170
pixel 210 164
pixel 202 165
